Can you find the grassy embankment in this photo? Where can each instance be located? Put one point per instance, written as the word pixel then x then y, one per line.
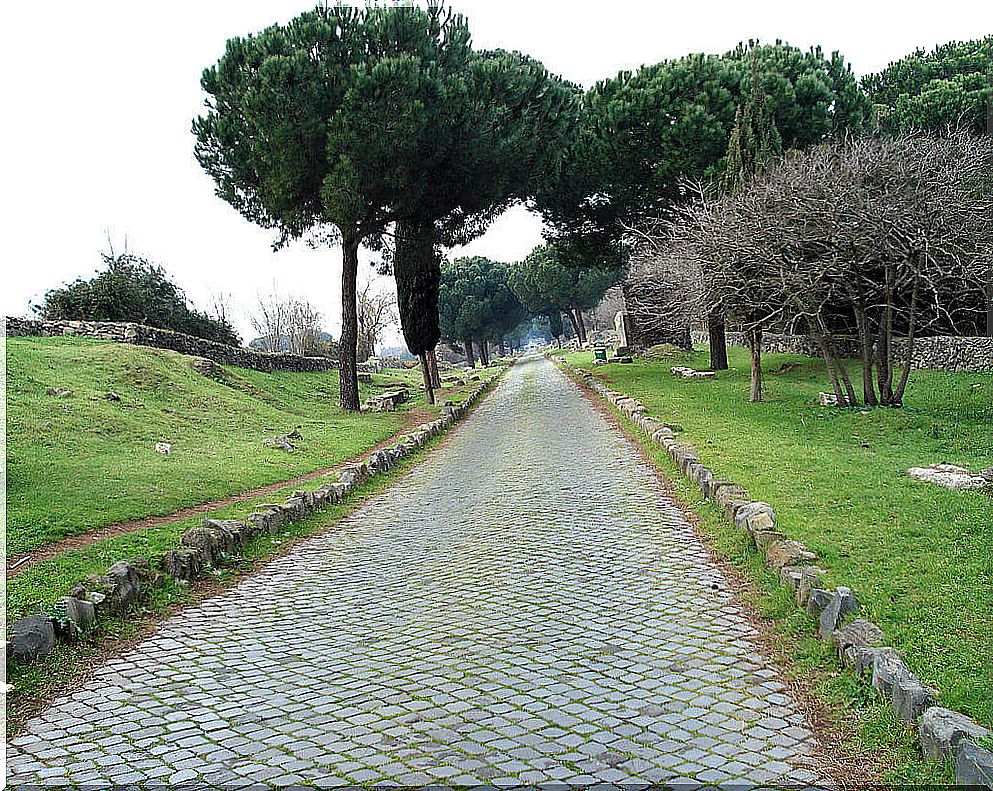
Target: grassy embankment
pixel 83 461
pixel 919 557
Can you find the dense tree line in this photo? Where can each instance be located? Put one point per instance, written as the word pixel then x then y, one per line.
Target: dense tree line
pixel 950 86
pixel 477 305
pixel 547 286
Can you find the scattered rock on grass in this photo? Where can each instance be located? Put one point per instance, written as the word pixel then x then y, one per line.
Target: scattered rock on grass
pixel 284 441
pixel 691 373
pixel 951 476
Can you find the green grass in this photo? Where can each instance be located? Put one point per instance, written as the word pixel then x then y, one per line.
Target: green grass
pixel 919 557
pixel 81 462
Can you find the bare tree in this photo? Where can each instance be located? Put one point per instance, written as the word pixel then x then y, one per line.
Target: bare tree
pixel 880 239
pixel 269 321
pixel 866 237
pixel 303 327
pixel 221 307
pixel 286 324
pixel 376 312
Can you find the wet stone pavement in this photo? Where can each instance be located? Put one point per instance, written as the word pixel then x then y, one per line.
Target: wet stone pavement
pixel 524 608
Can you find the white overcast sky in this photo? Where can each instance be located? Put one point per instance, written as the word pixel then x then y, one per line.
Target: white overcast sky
pixel 99 97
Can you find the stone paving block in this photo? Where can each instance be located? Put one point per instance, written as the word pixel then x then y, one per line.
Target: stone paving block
pixel 499 627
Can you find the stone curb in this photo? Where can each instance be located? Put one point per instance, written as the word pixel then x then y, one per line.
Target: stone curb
pixel 943 734
pixel 212 543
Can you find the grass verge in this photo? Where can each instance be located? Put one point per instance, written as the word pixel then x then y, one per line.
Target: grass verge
pixel 858 725
pixel 919 557
pixel 85 459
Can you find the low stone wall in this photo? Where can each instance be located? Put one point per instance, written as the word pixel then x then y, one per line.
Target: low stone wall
pixel 143 335
pixel 860 644
pixel 213 543
pixel 937 353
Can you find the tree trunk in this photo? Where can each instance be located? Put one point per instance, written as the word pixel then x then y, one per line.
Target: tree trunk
pixel 573 322
pixel 866 352
pixel 718 341
pixel 884 364
pixel 484 353
pixel 426 373
pixel 433 368
pixel 582 325
pixel 348 383
pixel 989 304
pixel 852 399
pixel 503 347
pixel 754 338
pixel 829 363
pixel 470 356
pixel 911 331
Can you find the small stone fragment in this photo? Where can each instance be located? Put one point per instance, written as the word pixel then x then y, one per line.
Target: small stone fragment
pixel 80 613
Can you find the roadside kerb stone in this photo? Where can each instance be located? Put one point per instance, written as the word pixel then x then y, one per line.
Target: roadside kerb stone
pixel 974 766
pixel 942 730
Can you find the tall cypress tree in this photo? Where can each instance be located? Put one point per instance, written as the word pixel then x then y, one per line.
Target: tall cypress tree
pixel 755 143
pixel 506 120
pixel 417 269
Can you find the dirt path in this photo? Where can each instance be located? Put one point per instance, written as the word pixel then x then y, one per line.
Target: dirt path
pixel 21 563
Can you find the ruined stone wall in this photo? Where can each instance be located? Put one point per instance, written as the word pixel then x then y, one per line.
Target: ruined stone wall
pixel 142 335
pixel 938 353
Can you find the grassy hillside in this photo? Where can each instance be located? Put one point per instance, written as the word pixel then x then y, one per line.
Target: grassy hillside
pixel 919 557
pixel 81 461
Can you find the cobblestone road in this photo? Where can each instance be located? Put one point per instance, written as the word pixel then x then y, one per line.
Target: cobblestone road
pixel 525 607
